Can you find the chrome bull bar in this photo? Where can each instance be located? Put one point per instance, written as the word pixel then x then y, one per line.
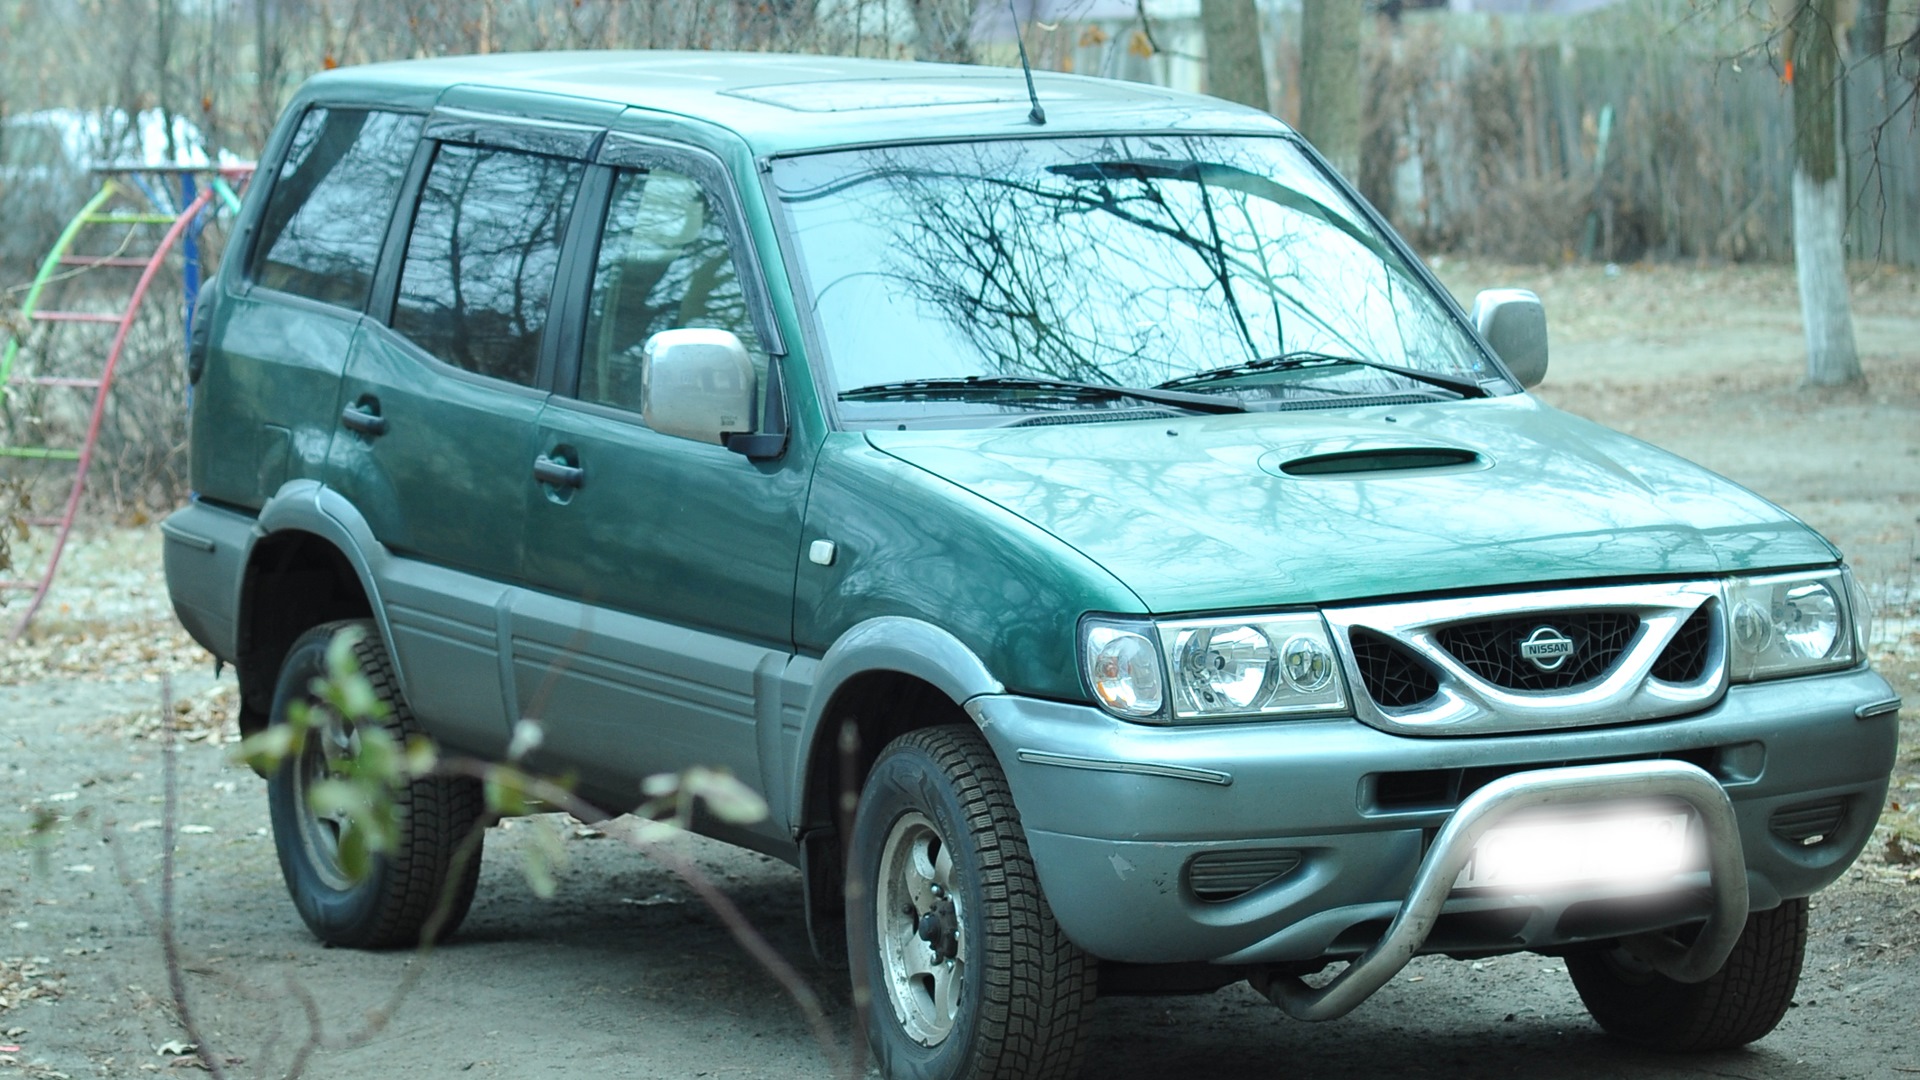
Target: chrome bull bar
pixel 1488 807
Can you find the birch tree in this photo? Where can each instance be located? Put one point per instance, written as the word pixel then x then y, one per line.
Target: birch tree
pixel 1820 196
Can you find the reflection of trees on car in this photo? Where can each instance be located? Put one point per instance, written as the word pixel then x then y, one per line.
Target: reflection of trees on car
pixel 665 263
pixel 320 234
pixel 1141 261
pixel 480 263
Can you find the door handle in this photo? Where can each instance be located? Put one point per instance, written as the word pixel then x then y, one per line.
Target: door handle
pixel 364 417
pixel 558 473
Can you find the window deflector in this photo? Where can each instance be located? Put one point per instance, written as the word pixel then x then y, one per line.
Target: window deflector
pixel 551 138
pixel 623 150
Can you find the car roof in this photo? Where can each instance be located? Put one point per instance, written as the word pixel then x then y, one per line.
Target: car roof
pixel 784 104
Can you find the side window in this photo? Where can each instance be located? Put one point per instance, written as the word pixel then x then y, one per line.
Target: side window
pixel 327 213
pixel 478 275
pixel 665 262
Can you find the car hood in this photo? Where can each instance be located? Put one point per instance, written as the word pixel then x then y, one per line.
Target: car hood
pixel 1309 507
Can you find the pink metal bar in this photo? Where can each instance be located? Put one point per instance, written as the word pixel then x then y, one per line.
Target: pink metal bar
pixel 128 261
pixel 77 316
pixel 56 380
pixel 100 404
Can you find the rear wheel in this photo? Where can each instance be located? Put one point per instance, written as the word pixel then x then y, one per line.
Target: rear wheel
pixel 959 968
pixel 427 872
pixel 1740 1003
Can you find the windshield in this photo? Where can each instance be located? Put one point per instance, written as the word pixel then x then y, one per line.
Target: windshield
pixel 1135 261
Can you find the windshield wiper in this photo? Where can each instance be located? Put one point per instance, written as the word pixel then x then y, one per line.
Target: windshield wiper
pixel 1307 358
pixel 994 385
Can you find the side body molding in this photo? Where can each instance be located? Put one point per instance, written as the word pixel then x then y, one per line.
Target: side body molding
pixel 893 643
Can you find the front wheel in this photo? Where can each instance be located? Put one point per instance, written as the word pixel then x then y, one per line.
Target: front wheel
pixel 1740 1003
pixel 959 969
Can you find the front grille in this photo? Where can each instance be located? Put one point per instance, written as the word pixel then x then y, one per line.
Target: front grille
pixel 1224 875
pixel 1685 657
pixel 1490 648
pixel 1394 677
pixel 1808 823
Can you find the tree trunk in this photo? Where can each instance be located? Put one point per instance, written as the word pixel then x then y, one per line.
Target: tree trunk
pixel 267 63
pixel 1330 80
pixel 1870 29
pixel 1235 70
pixel 943 26
pixel 1820 200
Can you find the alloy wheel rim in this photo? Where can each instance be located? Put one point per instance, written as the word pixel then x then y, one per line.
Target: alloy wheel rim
pixel 328 743
pixel 921 926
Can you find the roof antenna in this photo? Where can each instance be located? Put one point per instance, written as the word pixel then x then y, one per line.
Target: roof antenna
pixel 1038 115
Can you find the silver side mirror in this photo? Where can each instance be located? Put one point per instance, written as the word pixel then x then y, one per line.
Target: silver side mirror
pixel 1515 324
pixel 697 384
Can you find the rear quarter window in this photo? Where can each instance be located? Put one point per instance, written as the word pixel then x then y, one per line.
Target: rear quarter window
pixel 327 214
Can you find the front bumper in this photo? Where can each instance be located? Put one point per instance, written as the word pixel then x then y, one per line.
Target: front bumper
pixel 1114 812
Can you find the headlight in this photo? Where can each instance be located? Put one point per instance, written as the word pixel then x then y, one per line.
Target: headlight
pixel 1213 669
pixel 1791 624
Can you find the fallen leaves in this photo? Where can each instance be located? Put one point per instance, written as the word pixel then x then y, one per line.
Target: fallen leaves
pixel 101 652
pixel 24 979
pixel 206 717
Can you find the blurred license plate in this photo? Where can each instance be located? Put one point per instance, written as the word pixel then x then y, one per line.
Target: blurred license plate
pixel 1622 848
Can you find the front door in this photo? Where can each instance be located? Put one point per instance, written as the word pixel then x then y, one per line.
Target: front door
pixel 663 616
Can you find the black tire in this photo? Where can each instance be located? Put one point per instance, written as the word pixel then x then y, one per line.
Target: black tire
pixel 1018 996
pixel 1739 1004
pixel 392 904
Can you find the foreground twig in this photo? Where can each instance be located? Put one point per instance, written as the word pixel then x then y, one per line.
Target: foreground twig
pixel 737 924
pixel 169 827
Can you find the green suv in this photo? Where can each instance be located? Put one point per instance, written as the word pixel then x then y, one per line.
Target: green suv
pixel 1119 564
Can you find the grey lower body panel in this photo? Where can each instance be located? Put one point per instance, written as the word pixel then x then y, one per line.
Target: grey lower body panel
pixel 204 550
pixel 1359 808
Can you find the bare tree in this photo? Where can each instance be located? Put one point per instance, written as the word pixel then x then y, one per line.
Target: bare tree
pixel 943 26
pixel 1820 196
pixel 1870 28
pixel 1234 67
pixel 1330 80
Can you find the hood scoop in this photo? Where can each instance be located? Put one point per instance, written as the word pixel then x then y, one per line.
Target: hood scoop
pixel 1352 462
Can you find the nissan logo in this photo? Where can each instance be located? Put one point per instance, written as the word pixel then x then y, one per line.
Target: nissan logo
pixel 1547 648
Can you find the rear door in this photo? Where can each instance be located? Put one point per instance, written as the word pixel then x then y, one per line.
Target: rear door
pixel 440 398
pixel 283 333
pixel 663 612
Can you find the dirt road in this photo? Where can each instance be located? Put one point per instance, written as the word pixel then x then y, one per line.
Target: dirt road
pixel 622 974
